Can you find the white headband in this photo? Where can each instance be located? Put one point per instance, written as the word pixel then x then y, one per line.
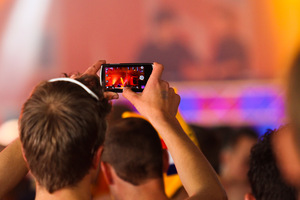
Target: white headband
pixel 77 83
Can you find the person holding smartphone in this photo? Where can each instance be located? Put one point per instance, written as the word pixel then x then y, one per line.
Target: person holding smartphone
pixel 62 127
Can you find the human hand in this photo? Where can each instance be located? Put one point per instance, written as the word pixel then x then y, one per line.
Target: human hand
pixel 93 70
pixel 157 99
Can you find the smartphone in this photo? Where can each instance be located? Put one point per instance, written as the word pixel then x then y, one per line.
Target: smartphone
pixel 114 77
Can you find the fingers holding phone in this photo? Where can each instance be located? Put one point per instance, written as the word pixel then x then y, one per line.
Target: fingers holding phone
pixel 93 70
pixel 158 98
pixel 111 95
pixel 171 98
pixel 173 102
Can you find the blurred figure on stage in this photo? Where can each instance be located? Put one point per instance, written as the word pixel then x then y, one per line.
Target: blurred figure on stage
pixel 167 46
pixel 229 57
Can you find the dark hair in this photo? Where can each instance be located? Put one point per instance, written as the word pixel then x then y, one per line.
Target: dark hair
pixel 210 144
pixel 117 111
pixel 164 15
pixel 61 127
pixel 264 176
pixel 134 150
pixel 293 97
pixel 233 135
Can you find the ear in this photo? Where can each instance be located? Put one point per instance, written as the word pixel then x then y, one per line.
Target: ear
pixel 106 170
pixel 97 157
pixel 249 196
pixel 18 141
pixel 24 157
pixel 165 161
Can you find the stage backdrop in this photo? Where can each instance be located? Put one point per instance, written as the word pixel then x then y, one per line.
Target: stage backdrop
pixel 196 40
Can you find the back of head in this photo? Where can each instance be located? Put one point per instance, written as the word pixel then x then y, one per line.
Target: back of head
pixel 234 157
pixel 61 127
pixel 264 176
pixel 117 111
pixel 133 148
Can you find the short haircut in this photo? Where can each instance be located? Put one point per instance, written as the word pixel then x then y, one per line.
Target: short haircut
pixel 61 127
pixel 293 97
pixel 264 176
pixel 133 148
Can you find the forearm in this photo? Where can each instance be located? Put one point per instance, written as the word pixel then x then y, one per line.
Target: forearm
pixel 12 167
pixel 159 104
pixel 197 176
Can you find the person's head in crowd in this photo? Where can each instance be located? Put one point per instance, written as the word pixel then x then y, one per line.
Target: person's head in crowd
pixel 210 144
pixel 293 98
pixel 287 145
pixel 133 158
pixel 62 129
pixel 234 160
pixel 287 156
pixel 235 154
pixel 117 111
pixel 264 176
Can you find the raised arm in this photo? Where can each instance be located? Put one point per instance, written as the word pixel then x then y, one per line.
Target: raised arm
pixel 159 104
pixel 12 167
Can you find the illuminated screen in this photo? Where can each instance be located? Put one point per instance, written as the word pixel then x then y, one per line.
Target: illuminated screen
pixel 116 77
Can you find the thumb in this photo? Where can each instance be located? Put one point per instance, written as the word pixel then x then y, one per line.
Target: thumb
pixel 157 71
pixel 95 68
pixel 130 95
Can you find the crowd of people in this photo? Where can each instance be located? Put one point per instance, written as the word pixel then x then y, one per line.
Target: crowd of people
pixel 65 141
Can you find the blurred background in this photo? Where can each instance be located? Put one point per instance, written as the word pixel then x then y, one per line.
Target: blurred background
pixel 227 58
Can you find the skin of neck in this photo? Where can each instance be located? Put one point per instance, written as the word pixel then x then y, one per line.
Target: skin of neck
pixel 82 191
pixel 150 189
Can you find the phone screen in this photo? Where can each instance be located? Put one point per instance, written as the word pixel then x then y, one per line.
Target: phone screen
pixel 114 77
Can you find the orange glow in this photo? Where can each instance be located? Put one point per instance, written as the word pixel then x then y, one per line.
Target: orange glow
pixel 114 79
pixel 1 2
pixel 286 26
